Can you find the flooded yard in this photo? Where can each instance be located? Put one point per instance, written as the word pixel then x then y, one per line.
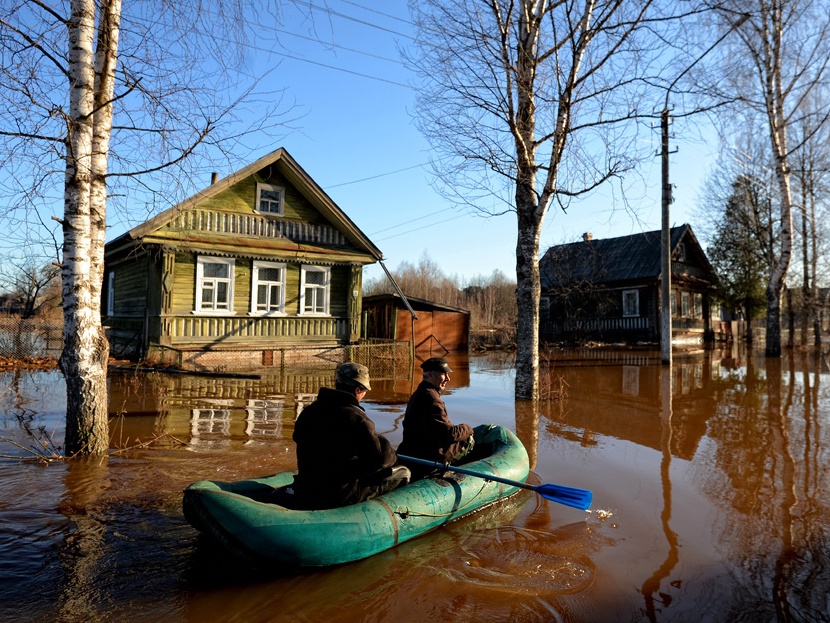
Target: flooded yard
pixel 710 484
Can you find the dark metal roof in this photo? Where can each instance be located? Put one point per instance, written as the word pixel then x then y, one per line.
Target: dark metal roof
pixel 416 303
pixel 626 258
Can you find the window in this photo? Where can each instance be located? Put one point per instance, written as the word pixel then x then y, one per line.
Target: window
pixel 214 285
pixel 697 311
pixel 631 303
pixel 111 293
pixel 269 199
pixel 268 288
pixel 681 252
pixel 685 305
pixel 673 303
pixel 314 290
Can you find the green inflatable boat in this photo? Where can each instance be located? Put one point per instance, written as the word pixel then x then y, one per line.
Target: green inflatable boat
pixel 268 534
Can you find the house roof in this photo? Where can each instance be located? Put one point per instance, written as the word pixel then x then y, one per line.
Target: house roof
pixel 293 172
pixel 416 303
pixel 625 258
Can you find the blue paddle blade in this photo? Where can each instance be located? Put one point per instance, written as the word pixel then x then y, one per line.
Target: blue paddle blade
pixel 569 496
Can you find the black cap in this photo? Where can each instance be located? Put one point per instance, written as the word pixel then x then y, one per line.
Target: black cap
pixel 436 364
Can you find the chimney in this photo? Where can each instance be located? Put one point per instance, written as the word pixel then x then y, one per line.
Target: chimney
pixel 214 177
pixel 587 236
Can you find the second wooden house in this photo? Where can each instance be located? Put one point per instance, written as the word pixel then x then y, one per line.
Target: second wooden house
pixel 259 267
pixel 609 290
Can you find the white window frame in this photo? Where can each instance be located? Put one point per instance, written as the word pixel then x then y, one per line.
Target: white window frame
pixel 111 293
pixel 697 305
pixel 636 297
pixel 256 282
pixel 325 289
pixel 685 305
pixel 201 282
pixel 278 206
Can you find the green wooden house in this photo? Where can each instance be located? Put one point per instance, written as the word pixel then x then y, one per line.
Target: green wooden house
pixel 259 267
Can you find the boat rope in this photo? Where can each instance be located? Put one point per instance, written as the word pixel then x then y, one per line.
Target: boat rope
pixel 405 513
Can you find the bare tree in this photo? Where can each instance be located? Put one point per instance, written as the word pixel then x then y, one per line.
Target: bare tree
pixel 782 66
pixel 812 165
pixel 103 104
pixel 31 288
pixel 525 103
pixel 491 300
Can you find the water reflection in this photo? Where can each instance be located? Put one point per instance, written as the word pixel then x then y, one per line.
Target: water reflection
pixel 710 483
pixel 651 587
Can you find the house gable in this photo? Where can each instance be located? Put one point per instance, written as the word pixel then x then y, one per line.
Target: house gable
pixel 224 219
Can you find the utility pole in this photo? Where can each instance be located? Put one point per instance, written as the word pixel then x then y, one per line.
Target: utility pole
pixel 665 238
pixel 665 242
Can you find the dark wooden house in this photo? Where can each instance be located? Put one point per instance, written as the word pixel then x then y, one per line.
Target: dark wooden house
pixel 256 267
pixel 609 290
pixel 439 329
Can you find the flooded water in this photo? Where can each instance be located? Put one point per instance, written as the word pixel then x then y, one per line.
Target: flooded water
pixel 710 486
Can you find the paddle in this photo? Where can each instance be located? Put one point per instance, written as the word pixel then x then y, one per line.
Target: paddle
pixel 569 496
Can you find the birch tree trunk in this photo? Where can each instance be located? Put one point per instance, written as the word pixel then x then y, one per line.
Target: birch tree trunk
pixel 773 27
pixel 85 347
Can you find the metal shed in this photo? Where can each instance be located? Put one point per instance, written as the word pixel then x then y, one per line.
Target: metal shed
pixel 438 329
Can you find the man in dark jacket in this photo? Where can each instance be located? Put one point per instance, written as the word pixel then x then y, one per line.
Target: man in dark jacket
pixel 340 457
pixel 427 430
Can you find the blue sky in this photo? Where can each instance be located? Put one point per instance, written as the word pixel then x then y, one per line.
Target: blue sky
pixel 357 139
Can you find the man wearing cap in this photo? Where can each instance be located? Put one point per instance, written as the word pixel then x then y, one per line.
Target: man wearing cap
pixel 427 430
pixel 340 457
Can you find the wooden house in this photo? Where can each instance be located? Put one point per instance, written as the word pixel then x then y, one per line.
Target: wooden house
pixel 439 329
pixel 258 267
pixel 609 290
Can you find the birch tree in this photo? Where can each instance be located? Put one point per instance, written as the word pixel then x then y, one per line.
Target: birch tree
pixel 811 171
pixel 784 64
pixel 525 103
pixel 65 78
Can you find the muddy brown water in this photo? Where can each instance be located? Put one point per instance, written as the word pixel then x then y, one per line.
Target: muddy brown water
pixel 710 486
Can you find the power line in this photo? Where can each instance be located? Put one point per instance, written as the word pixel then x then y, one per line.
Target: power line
pixel 324 43
pixel 380 231
pixel 365 8
pixel 452 218
pixel 366 179
pixel 354 19
pixel 327 66
pixel 339 47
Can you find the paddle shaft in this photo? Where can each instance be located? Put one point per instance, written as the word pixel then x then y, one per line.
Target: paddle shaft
pixel 569 496
pixel 469 472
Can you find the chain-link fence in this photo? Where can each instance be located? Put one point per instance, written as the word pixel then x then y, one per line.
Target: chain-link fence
pixel 32 338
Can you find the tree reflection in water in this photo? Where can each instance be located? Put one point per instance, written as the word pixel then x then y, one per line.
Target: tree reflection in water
pixel 715 473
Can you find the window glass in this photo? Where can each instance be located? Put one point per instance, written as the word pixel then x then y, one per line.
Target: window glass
pixel 111 293
pixel 214 284
pixel 631 303
pixel 268 288
pixel 314 292
pixel 269 199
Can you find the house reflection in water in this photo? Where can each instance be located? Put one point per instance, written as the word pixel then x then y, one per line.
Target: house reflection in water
pixel 619 394
pixel 214 411
pixel 208 412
